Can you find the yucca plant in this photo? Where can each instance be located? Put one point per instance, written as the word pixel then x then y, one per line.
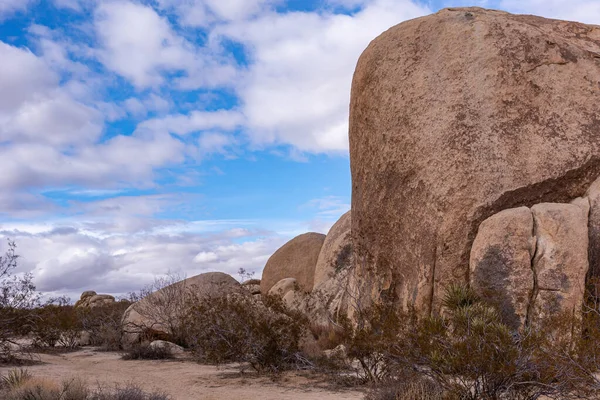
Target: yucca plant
pixel 15 378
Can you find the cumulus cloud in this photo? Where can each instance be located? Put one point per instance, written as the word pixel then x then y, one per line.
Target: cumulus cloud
pixel 297 87
pixel 575 10
pixel 9 7
pixel 206 12
pixel 140 45
pixel 74 257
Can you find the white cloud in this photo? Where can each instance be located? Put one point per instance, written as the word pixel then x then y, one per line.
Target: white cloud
pixel 195 121
pixel 141 46
pixel 587 11
pixel 206 12
pixel 73 256
pixel 8 7
pixel 297 87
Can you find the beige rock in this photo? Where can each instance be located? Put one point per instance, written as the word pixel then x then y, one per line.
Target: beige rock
pixel 561 258
pixel 336 251
pixel 453 118
pixel 284 286
pixel 500 263
pixel 171 347
pixel 289 291
pixel 296 259
pixel 100 299
pixel 158 310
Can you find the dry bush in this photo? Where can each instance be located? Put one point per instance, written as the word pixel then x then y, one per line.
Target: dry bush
pixel 56 323
pixel 104 324
pixel 371 340
pixel 239 329
pixel 18 296
pixel 165 311
pixel 143 351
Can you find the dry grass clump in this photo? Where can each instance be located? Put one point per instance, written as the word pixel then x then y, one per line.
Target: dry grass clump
pixel 414 389
pixel 20 385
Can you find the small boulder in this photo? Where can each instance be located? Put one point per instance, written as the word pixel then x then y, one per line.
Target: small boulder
pixel 170 347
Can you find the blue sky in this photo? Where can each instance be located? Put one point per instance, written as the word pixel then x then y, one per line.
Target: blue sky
pixel 139 137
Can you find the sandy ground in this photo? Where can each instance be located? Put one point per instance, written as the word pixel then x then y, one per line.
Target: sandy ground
pixel 183 379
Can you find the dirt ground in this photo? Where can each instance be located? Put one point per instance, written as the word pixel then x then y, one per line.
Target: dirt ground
pixel 183 379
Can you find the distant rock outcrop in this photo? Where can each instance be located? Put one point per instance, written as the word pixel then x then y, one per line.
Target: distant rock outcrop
pixel 455 117
pixel 91 299
pixel 296 259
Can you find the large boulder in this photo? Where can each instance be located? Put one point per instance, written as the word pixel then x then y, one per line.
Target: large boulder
pixel 159 311
pixel 336 251
pixel 296 259
pixel 453 118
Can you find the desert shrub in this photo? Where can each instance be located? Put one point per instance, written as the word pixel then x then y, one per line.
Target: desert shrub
pixel 372 338
pixel 164 308
pixel 240 329
pixel 469 352
pixel 343 259
pixel 56 323
pixel 104 324
pixel 18 296
pixel 143 351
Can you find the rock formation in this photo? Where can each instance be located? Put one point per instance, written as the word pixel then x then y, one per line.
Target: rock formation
pixel 296 259
pixel 91 299
pixel 455 117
